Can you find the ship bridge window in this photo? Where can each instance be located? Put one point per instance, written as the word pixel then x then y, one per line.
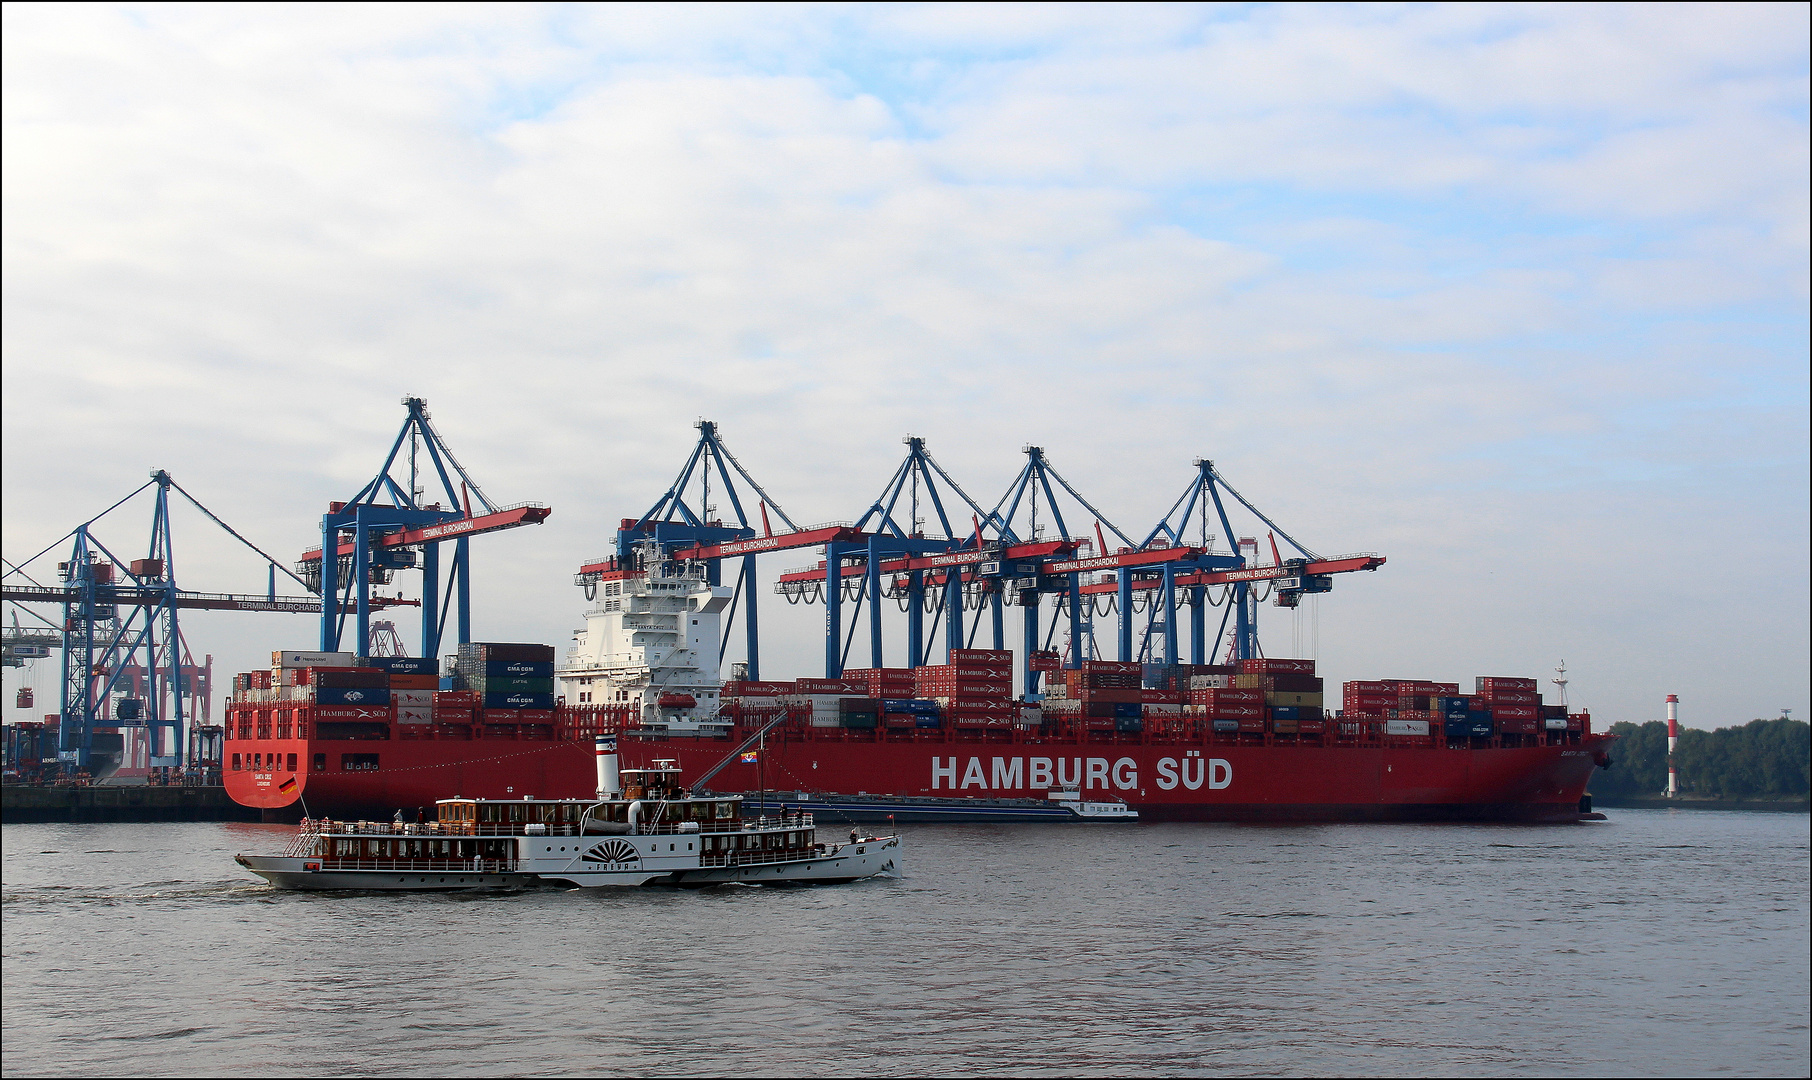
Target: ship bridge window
pixel 726 810
pixel 320 762
pixel 235 762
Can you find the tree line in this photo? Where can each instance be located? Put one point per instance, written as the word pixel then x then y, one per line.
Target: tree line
pixel 1763 759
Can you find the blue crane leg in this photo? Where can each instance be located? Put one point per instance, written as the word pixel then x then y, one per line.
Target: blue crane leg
pixel 1198 624
pixel 430 600
pixel 1075 598
pixel 330 585
pixel 751 627
pixel 874 602
pixel 1124 592
pixel 915 620
pixel 833 610
pixel 361 566
pixel 1170 613
pixel 953 611
pixel 462 553
pixel 1031 646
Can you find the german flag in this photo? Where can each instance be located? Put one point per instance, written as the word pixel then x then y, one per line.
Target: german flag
pixel 287 785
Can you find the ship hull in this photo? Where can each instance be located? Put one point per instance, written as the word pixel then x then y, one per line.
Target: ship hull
pixel 1199 781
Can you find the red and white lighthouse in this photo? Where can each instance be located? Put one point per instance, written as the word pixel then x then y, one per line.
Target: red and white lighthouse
pixel 1673 739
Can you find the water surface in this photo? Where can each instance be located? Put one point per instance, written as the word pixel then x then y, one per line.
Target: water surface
pixel 1659 942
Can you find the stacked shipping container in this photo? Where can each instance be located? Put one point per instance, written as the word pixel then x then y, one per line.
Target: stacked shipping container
pixel 1498 706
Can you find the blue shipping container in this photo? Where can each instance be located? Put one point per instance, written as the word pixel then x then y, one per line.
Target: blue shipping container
pixel 930 721
pixel 452 682
pixel 1130 709
pixel 1129 724
pixel 1453 706
pixel 352 695
pixel 1226 725
pixel 515 699
pixel 910 705
pixel 1285 712
pixel 519 669
pixel 1465 729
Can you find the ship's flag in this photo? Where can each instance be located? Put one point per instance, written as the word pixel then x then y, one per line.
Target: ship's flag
pixel 751 758
pixel 287 785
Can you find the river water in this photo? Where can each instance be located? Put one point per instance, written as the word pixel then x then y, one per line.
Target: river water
pixel 1658 942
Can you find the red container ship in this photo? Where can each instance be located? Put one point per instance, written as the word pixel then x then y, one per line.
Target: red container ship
pixel 334 735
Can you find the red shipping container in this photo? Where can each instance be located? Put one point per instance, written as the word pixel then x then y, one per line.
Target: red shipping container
pixel 1486 683
pixel 1267 666
pixel 1511 697
pixel 1414 686
pixel 1237 712
pixel 1111 667
pixel 985 655
pixel 1514 712
pixel 828 686
pixel 1252 724
pixel 350 712
pixel 758 689
pixel 1229 695
pixel 1517 727
pixel 1311 727
pixel 1357 687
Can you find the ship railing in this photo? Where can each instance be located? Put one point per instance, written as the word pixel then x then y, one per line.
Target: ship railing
pixel 437 828
pixel 727 825
pixel 759 858
pixel 303 843
pixel 425 866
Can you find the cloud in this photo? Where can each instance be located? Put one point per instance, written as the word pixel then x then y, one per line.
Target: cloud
pixel 1512 294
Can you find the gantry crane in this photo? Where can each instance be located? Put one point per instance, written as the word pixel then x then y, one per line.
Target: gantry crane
pixel 992 563
pixel 386 536
pixel 117 609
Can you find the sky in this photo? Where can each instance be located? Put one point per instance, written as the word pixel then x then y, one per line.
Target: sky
pixel 1515 296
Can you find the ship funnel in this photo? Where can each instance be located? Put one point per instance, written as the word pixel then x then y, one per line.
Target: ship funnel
pixel 609 786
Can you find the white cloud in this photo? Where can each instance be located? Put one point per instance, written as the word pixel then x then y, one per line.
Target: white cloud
pixel 1425 280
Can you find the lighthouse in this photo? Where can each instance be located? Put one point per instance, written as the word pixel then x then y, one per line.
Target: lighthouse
pixel 1673 739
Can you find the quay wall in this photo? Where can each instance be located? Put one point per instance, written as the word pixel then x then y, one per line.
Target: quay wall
pixel 23 804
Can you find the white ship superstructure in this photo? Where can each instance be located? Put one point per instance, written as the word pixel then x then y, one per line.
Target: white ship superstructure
pixel 650 640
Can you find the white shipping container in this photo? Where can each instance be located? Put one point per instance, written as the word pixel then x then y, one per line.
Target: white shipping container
pixel 1207 682
pixel 411 698
pixel 1406 727
pixel 1555 725
pixel 415 715
pixel 284 658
